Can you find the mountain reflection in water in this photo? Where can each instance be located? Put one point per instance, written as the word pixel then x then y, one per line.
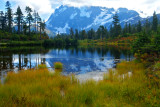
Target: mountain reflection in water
pixel 75 60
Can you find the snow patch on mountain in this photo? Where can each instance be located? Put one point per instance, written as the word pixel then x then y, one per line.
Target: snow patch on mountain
pixel 89 26
pixel 130 19
pixel 73 15
pixel 85 13
pixel 62 9
pixel 102 18
pixel 62 30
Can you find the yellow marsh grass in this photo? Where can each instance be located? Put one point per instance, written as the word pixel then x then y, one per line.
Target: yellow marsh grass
pixel 42 66
pixel 41 88
pixel 58 65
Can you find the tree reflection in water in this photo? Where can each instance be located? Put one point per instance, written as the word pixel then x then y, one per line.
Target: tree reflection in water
pixel 75 59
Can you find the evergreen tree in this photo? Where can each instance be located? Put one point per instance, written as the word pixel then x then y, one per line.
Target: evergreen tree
pixel 102 32
pixel 98 33
pixel 155 22
pixel 105 32
pixel 147 26
pixel 129 28
pixel 117 27
pixel 19 18
pixel 71 33
pixel 35 17
pixel 25 27
pixel 43 25
pixel 42 28
pixel 126 27
pixel 9 16
pixel 111 32
pixel 76 34
pixel 22 24
pixel 134 29
pixel 84 34
pixel 2 20
pixel 29 17
pixel 91 34
pixel 139 26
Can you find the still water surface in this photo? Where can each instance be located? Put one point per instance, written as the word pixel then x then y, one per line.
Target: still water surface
pixel 85 63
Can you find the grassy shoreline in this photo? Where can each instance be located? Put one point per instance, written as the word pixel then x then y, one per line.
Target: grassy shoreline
pixel 39 87
pixel 117 41
pixel 22 43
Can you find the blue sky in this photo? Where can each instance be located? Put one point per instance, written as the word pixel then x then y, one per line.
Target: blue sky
pixel 47 7
pixel 2 5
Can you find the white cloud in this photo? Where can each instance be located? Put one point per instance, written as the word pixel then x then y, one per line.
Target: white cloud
pixel 46 7
pixel 147 6
pixel 43 7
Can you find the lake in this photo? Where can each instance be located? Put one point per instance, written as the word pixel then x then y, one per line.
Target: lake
pixel 84 62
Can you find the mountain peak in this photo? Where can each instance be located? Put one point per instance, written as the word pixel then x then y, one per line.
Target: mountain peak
pixel 66 17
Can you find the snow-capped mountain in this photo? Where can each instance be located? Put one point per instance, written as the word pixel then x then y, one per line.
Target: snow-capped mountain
pixel 66 17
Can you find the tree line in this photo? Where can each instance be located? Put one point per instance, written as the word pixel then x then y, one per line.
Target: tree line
pixel 17 23
pixel 114 31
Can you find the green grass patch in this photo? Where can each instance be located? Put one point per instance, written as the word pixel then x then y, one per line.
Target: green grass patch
pixel 58 65
pixel 25 43
pixel 42 66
